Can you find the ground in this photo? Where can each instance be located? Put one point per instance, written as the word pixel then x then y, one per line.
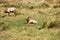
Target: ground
pixel 15 27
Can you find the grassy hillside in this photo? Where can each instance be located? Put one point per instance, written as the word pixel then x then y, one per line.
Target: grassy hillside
pixel 45 12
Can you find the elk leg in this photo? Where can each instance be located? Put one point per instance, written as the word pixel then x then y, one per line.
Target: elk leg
pixel 15 13
pixel 8 14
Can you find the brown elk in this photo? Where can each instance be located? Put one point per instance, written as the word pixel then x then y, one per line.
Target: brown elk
pixel 31 21
pixel 11 10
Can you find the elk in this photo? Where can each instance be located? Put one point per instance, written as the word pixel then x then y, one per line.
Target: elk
pixel 31 21
pixel 11 10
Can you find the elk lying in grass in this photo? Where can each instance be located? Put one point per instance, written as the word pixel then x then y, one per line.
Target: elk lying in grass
pixel 11 10
pixel 31 21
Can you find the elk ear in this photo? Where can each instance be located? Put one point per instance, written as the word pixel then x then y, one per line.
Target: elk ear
pixel 29 17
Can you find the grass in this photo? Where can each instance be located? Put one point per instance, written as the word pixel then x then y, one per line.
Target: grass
pixel 30 33
pixel 15 28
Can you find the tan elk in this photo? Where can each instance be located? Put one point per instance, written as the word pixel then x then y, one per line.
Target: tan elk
pixel 10 10
pixel 31 21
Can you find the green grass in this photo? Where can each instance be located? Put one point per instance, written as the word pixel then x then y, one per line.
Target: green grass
pixel 16 28
pixel 30 33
